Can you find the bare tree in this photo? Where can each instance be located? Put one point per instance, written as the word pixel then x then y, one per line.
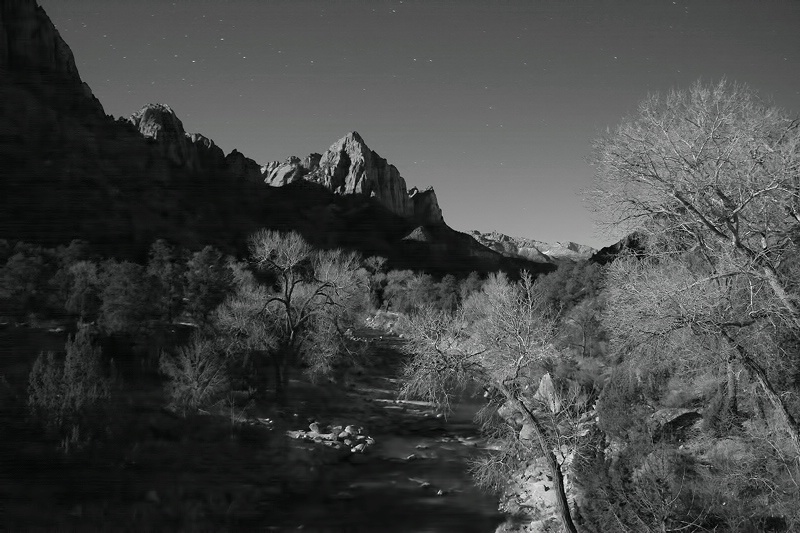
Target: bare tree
pixel 713 171
pixel 304 315
pixel 664 313
pixel 713 168
pixel 499 341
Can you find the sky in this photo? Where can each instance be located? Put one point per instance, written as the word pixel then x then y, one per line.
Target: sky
pixel 494 103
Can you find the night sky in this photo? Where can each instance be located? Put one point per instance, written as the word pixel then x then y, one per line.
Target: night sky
pixel 493 103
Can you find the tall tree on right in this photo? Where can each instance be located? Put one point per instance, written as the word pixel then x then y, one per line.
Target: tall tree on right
pixel 711 175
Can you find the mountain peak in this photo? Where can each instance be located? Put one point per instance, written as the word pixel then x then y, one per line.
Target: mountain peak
pixel 156 121
pixel 353 136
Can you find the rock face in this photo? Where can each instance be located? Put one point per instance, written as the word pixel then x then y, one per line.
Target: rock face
pixel 242 167
pixel 277 174
pixel 30 44
pixel 193 151
pixel 350 167
pixel 533 250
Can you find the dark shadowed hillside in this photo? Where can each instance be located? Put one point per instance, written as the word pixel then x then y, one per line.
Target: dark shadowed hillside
pixel 70 171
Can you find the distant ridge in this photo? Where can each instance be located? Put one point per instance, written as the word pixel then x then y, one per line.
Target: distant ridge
pixel 533 250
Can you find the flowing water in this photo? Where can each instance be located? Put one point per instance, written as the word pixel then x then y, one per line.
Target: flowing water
pixel 415 478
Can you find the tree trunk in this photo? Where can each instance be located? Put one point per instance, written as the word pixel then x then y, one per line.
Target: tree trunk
pixel 787 301
pixel 769 391
pixel 555 468
pixel 731 402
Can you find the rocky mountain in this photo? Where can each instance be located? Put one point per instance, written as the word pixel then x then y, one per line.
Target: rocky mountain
pixel 533 250
pixel 350 167
pixel 70 171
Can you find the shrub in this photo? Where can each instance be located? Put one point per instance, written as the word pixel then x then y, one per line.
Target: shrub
pixel 66 396
pixel 197 376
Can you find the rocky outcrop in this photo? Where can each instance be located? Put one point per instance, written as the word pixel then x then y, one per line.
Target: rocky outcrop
pixel 192 151
pixel 426 205
pixel 277 174
pixel 349 167
pixel 242 167
pixel 159 123
pixel 209 154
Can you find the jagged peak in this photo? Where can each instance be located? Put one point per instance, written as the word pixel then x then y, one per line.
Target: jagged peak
pixel 353 136
pixel 352 143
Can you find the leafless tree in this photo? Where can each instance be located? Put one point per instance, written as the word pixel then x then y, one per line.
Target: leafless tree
pixel 712 176
pixel 714 168
pixel 498 340
pixel 303 316
pixel 664 313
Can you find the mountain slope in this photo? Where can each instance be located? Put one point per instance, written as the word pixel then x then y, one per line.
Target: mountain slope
pixel 69 171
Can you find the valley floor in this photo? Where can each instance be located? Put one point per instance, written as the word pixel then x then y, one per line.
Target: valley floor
pixel 161 472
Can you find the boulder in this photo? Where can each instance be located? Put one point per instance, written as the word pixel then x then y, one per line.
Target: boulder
pixel 673 424
pixel 547 395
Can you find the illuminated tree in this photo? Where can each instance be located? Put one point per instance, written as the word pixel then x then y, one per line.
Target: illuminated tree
pixel 500 343
pixel 304 316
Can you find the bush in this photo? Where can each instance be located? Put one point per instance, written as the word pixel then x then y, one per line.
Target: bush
pixel 67 396
pixel 197 377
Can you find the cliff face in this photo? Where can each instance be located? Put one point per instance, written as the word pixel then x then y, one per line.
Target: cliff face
pixel 28 40
pixel 30 44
